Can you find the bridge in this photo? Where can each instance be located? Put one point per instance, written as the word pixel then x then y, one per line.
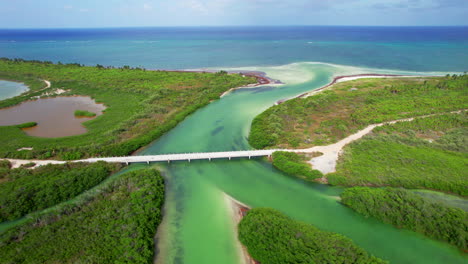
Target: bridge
pixel 186 156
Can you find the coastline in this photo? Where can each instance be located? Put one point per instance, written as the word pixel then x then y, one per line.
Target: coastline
pixel 344 78
pixel 238 210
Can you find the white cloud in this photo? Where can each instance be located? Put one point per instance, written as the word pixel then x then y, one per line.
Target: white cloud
pixel 194 5
pixel 147 7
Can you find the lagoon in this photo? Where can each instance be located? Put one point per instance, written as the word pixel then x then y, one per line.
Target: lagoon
pixel 54 116
pixel 11 89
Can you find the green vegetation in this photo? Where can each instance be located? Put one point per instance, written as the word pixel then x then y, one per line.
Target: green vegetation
pixel 84 113
pixel 340 111
pixel 427 153
pixel 5 166
pixel 141 105
pixel 294 164
pixel 23 191
pixel 26 125
pixel 28 165
pixel 405 209
pixel 272 237
pixel 116 226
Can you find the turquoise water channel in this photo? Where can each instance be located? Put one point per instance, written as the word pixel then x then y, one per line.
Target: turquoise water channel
pixel 198 225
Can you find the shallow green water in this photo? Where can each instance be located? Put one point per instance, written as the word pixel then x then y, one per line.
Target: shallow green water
pixel 450 200
pixel 197 227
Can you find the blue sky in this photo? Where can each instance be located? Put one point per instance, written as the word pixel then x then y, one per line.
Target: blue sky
pixel 131 13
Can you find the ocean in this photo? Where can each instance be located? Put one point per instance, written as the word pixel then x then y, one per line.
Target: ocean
pixel 401 48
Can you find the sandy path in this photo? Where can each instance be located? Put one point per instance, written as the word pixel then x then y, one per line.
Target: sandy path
pixel 16 163
pixel 327 162
pixel 47 84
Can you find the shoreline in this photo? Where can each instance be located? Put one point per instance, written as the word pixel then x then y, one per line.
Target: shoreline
pixel 345 78
pixel 261 77
pixel 238 211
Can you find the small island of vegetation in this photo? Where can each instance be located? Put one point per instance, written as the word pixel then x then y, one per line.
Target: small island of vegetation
pixel 272 237
pixel 27 125
pixel 84 113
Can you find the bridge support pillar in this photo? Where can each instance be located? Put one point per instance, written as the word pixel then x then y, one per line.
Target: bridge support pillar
pixel 189 160
pixel 229 158
pixel 209 159
pixel 126 163
pixel 168 161
pixel 249 157
pixel 147 162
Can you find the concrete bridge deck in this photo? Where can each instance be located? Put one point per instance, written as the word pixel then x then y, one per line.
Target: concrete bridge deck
pixel 186 156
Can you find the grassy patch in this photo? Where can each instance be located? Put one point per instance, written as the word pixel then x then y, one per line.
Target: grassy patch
pixel 23 191
pixel 141 105
pixel 405 209
pixel 294 164
pixel 272 237
pixel 26 125
pixel 336 113
pixel 5 164
pixel 84 113
pixel 116 226
pixel 400 155
pixel 28 165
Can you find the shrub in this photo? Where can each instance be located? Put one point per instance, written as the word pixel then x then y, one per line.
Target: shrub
pixel 84 113
pixel 115 226
pixel 294 164
pixel 272 237
pixel 404 209
pixel 26 190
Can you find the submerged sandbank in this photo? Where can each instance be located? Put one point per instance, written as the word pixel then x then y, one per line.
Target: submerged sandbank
pixel 238 211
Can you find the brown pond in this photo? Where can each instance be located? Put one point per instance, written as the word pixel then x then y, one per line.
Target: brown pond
pixel 55 117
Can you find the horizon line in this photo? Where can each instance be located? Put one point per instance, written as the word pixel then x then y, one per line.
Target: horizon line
pixel 230 26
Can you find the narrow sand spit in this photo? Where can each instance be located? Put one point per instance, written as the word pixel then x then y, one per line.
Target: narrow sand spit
pixel 345 78
pixel 261 81
pixel 238 210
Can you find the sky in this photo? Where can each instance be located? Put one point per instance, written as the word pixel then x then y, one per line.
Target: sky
pixel 136 13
